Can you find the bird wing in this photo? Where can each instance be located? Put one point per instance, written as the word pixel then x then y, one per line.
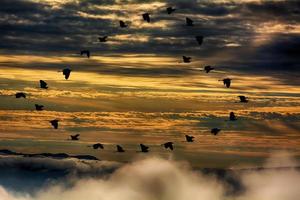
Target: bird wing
pixel 189 21
pixel 43 83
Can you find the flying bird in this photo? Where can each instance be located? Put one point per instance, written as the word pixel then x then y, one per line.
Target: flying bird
pixel 208 68
pixel 189 22
pixel 120 149
pixel 189 138
pixel 98 145
pixel 243 99
pixel 215 131
pixel 43 84
pixel 144 148
pixel 66 72
pixel 103 39
pixel 122 24
pixel 170 10
pixel 20 95
pixel 85 52
pixel 168 145
pixel 146 17
pixel 54 123
pixel 75 137
pixel 186 59
pixel 39 107
pixel 226 82
pixel 199 39
pixel 232 116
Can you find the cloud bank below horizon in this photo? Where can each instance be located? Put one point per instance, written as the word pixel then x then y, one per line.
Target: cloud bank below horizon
pixel 156 178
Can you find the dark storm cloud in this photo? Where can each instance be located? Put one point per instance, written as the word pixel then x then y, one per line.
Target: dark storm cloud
pixel 29 174
pixel 20 7
pixel 39 28
pixel 275 9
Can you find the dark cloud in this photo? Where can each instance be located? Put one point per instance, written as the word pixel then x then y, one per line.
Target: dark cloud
pixel 29 174
pixel 275 9
pixel 39 28
pixel 148 178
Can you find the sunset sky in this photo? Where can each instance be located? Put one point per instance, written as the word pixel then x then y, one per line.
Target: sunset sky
pixel 135 89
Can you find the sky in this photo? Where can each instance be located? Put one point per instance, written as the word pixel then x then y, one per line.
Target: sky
pixel 135 89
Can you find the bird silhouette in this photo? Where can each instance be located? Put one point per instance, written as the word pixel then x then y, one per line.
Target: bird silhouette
pixel 103 39
pixel 122 24
pixel 39 107
pixel 189 138
pixel 170 10
pixel 75 137
pixel 232 116
pixel 43 84
pixel 168 145
pixel 199 39
pixel 208 68
pixel 186 59
pixel 66 72
pixel 215 131
pixel 189 22
pixel 146 17
pixel 144 148
pixel 226 82
pixel 54 123
pixel 85 52
pixel 97 146
pixel 243 99
pixel 120 149
pixel 20 95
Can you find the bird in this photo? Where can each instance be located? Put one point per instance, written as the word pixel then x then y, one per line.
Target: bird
pixel 186 59
pixel 170 10
pixel 66 72
pixel 208 68
pixel 54 123
pixel 243 99
pixel 39 107
pixel 103 39
pixel 43 84
pixel 122 24
pixel 189 22
pixel 199 39
pixel 97 146
pixel 215 131
pixel 146 17
pixel 232 116
pixel 20 94
pixel 168 145
pixel 226 82
pixel 120 149
pixel 86 52
pixel 144 148
pixel 75 137
pixel 189 138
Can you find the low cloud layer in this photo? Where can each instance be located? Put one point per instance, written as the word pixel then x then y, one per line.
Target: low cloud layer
pixel 155 178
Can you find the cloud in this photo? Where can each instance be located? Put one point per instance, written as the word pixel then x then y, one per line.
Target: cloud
pixel 245 36
pixel 273 184
pixel 135 181
pixel 156 178
pixel 30 174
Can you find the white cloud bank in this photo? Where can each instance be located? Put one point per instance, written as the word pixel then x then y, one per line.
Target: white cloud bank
pixel 159 179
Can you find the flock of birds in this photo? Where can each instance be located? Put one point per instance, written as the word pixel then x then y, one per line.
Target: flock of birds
pixel 168 145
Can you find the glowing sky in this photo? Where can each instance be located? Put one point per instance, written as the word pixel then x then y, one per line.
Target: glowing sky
pixel 134 89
